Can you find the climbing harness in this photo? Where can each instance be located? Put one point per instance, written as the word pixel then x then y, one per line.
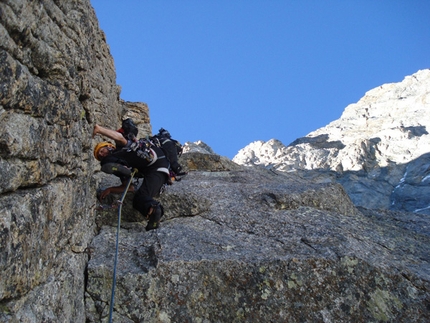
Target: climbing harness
pixel 117 240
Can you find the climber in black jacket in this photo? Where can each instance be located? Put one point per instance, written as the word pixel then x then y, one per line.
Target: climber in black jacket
pixel 149 161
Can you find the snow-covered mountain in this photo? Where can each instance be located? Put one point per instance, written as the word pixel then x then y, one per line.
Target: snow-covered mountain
pixel 378 149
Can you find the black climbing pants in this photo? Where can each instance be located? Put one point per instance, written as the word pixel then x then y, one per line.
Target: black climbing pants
pixel 150 188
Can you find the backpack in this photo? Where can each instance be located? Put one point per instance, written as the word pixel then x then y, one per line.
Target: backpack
pixel 171 148
pixel 128 129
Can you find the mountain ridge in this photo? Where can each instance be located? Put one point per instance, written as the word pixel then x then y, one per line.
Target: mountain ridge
pixel 371 144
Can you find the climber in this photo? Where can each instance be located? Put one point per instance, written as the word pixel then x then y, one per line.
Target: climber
pixel 149 161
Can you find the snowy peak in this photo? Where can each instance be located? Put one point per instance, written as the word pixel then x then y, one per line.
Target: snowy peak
pixel 375 138
pixel 396 113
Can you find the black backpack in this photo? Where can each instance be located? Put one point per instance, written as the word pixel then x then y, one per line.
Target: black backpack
pixel 128 129
pixel 171 148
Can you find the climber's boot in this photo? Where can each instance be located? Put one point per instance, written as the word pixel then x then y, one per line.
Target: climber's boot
pixel 155 214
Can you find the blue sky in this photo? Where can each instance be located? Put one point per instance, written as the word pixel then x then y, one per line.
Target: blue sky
pixel 230 72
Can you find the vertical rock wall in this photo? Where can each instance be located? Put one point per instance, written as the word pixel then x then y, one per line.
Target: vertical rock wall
pixel 57 79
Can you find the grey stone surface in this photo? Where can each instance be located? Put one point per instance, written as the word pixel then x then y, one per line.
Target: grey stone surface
pixel 254 245
pixel 57 79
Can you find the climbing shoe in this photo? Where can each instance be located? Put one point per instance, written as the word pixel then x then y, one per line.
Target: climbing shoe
pixel 154 217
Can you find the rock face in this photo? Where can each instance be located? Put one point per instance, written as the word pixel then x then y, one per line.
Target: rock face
pixel 199 156
pixel 378 149
pixel 253 245
pixel 57 79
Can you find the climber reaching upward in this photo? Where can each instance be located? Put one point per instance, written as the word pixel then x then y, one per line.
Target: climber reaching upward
pixel 150 162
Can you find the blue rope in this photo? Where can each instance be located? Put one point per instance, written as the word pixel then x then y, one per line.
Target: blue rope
pixel 116 248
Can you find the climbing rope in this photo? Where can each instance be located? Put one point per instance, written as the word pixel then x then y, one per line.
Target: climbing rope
pixel 117 242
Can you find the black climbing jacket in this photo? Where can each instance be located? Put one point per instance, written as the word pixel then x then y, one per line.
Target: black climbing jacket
pixel 139 155
pixel 171 148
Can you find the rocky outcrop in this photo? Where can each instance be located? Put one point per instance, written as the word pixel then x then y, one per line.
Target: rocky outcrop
pixel 199 156
pixel 412 194
pixel 370 150
pixel 57 79
pixel 256 245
